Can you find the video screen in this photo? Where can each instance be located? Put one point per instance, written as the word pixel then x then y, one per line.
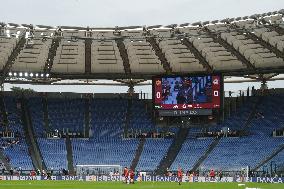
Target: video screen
pixel 187 92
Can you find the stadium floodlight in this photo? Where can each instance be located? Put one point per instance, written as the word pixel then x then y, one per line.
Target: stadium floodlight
pixel 36 74
pixel 10 74
pixel 21 74
pixel 31 74
pixel 26 74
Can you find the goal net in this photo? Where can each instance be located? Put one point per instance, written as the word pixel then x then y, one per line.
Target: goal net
pixel 98 170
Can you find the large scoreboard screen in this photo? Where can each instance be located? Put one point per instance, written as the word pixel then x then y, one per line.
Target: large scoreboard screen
pixel 196 95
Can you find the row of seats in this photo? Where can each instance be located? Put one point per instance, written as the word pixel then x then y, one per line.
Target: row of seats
pixel 236 153
pixel 153 152
pixel 17 153
pixel 191 151
pixel 54 153
pixel 95 152
pixel 37 115
pixel 66 113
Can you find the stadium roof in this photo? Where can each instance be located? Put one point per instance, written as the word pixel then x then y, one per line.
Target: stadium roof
pixel 232 46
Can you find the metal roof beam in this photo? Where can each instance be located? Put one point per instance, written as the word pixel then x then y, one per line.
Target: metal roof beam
pixel 124 56
pixel 51 54
pixel 160 54
pixel 197 54
pixel 88 55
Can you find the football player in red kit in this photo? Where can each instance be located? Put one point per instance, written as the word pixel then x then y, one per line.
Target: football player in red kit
pixel 131 176
pixel 125 173
pixel 179 174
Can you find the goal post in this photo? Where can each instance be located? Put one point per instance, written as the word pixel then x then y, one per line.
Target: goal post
pixel 98 169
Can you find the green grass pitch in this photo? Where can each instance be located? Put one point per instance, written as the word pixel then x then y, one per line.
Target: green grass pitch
pixel 137 185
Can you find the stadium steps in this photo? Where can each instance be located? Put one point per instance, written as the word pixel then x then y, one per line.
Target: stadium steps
pixel 138 154
pixel 268 158
pixel 45 113
pixel 69 155
pixel 30 136
pixel 173 151
pixel 124 56
pixel 160 54
pixel 3 110
pixel 4 160
pixel 87 116
pixel 128 116
pixel 252 114
pixel 206 154
pixel 88 57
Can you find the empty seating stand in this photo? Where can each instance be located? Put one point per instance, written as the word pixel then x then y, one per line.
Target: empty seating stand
pixel 54 153
pixel 36 110
pixel 66 114
pixel 141 120
pixel 17 153
pixel 190 152
pixel 106 145
pixel 236 153
pixel 153 152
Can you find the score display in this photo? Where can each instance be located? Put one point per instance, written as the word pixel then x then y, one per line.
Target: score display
pixel 187 93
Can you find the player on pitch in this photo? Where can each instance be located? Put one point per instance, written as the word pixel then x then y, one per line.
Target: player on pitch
pixel 125 173
pixel 179 174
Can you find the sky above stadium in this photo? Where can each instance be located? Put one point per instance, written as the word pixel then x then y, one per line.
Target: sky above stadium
pixel 129 12
pixel 110 13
